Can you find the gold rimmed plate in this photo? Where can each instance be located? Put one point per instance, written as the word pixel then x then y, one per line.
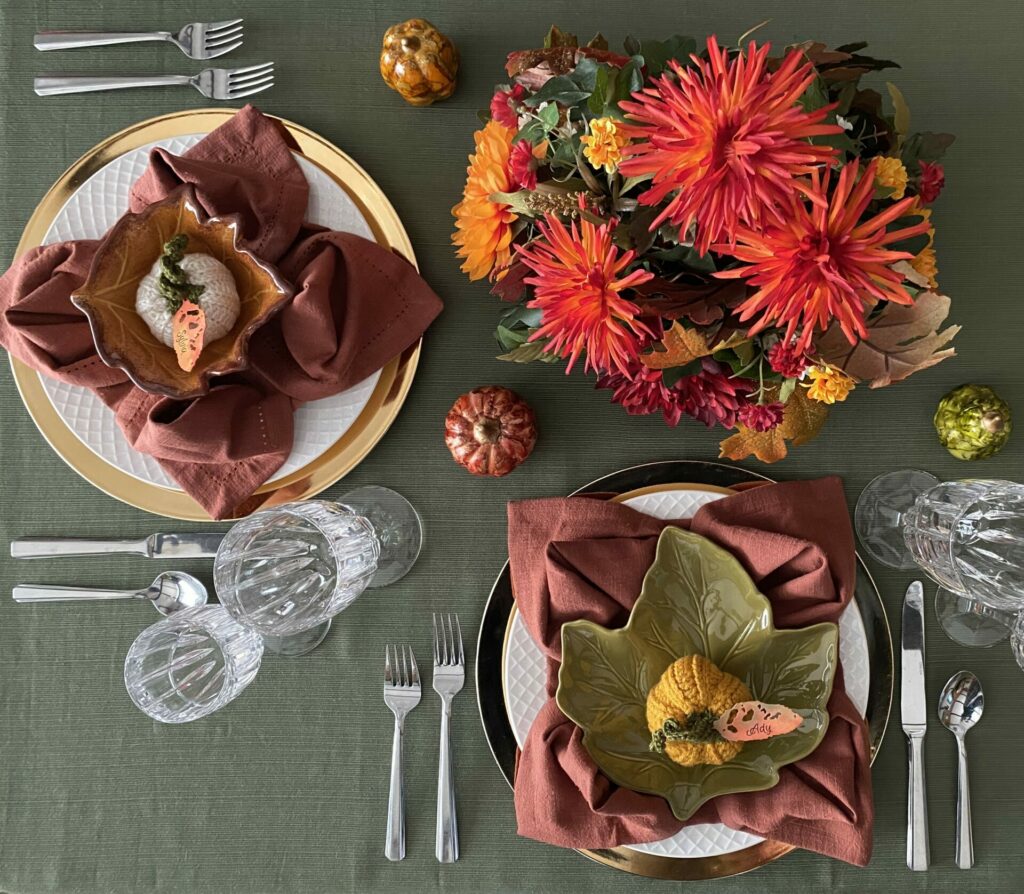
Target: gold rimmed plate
pixel 339 458
pixel 496 625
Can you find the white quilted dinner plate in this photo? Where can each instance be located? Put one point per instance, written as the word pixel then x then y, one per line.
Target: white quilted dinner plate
pixel 90 212
pixel 524 674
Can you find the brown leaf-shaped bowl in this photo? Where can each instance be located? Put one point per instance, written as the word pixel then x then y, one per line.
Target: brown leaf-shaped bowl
pixel 127 253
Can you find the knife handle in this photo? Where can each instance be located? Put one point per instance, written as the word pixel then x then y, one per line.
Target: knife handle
pixel 917 806
pixel 44 547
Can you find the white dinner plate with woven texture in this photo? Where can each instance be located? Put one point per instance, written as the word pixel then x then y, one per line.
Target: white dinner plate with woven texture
pixel 90 212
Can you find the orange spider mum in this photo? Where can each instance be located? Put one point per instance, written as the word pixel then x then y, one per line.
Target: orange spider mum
pixel 483 229
pixel 578 278
pixel 823 263
pixel 729 138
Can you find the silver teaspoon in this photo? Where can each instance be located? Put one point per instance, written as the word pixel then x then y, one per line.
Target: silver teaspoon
pixel 960 707
pixel 172 591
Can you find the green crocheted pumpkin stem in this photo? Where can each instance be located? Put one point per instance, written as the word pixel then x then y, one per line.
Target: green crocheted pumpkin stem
pixel 174 284
pixel 698 729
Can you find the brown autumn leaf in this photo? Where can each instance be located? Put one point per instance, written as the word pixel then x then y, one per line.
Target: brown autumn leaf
pixel 680 346
pixel 801 422
pixel 901 340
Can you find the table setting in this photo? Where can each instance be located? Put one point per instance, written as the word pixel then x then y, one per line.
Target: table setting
pixel 375 363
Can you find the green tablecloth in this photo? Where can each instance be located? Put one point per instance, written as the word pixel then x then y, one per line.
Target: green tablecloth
pixel 285 790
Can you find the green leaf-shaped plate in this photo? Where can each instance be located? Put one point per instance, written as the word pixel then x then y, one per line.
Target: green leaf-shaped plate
pixel 696 599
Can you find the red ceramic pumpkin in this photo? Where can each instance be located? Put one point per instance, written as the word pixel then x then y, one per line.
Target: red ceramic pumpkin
pixel 490 430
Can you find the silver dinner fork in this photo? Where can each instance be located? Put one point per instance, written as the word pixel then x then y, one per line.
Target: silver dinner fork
pixel 449 675
pixel 198 40
pixel 401 695
pixel 213 83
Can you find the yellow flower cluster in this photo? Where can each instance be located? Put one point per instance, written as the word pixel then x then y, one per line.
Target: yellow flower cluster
pixel 924 262
pixel 890 174
pixel 603 145
pixel 828 384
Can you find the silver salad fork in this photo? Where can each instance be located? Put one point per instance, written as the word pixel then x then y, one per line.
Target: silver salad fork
pixel 449 675
pixel 198 40
pixel 401 695
pixel 213 83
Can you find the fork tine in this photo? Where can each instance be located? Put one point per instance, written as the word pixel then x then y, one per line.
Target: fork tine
pixel 247 80
pixel 221 39
pixel 406 680
pixel 220 26
pixel 415 669
pixel 241 71
pixel 239 94
pixel 221 51
pixel 388 678
pixel 260 83
pixel 452 657
pixel 458 631
pixel 437 647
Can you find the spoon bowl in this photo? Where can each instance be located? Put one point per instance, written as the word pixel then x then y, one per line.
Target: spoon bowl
pixel 961 703
pixel 173 591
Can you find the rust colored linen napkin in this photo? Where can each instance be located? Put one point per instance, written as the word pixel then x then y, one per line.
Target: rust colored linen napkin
pixel 356 307
pixel 580 557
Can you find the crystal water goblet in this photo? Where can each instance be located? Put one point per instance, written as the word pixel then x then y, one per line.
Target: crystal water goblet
pixel 967 535
pixel 286 571
pixel 191 664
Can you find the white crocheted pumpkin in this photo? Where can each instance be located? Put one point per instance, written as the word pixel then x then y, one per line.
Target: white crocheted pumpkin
pixel 219 299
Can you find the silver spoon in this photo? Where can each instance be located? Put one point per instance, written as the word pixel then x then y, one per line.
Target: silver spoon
pixel 960 707
pixel 172 591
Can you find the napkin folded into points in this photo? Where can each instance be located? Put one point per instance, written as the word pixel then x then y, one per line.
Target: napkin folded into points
pixel 580 557
pixel 357 305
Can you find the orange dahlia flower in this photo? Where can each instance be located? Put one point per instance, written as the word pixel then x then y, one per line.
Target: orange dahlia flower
pixel 823 263
pixel 483 229
pixel 728 138
pixel 578 280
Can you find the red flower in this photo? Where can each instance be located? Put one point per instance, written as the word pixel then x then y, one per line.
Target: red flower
pixel 727 138
pixel 933 178
pixel 578 278
pixel 787 361
pixel 522 165
pixel 642 391
pixel 823 263
pixel 761 417
pixel 712 395
pixel 503 105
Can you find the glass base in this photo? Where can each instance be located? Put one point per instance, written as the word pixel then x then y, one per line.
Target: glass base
pixel 398 528
pixel 969 622
pixel 297 643
pixel 878 517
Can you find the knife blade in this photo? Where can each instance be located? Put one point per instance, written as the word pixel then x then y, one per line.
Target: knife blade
pixel 156 546
pixel 914 717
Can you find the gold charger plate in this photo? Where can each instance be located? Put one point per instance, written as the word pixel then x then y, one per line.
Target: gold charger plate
pixel 349 450
pixel 735 862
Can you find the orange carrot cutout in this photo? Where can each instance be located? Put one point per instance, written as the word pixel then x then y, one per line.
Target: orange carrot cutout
pixel 749 721
pixel 187 333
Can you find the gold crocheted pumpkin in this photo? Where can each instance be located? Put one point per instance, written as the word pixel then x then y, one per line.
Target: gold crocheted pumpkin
pixel 691 686
pixel 419 62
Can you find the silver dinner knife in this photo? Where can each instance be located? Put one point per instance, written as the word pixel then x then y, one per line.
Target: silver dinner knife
pixel 156 546
pixel 914 715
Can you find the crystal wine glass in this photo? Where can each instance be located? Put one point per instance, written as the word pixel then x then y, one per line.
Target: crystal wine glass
pixel 285 571
pixel 191 664
pixel 968 536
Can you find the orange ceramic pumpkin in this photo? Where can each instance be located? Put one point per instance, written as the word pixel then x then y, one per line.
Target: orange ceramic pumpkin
pixel 419 62
pixel 490 430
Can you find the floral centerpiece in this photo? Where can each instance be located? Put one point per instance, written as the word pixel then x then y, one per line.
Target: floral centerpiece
pixel 732 235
